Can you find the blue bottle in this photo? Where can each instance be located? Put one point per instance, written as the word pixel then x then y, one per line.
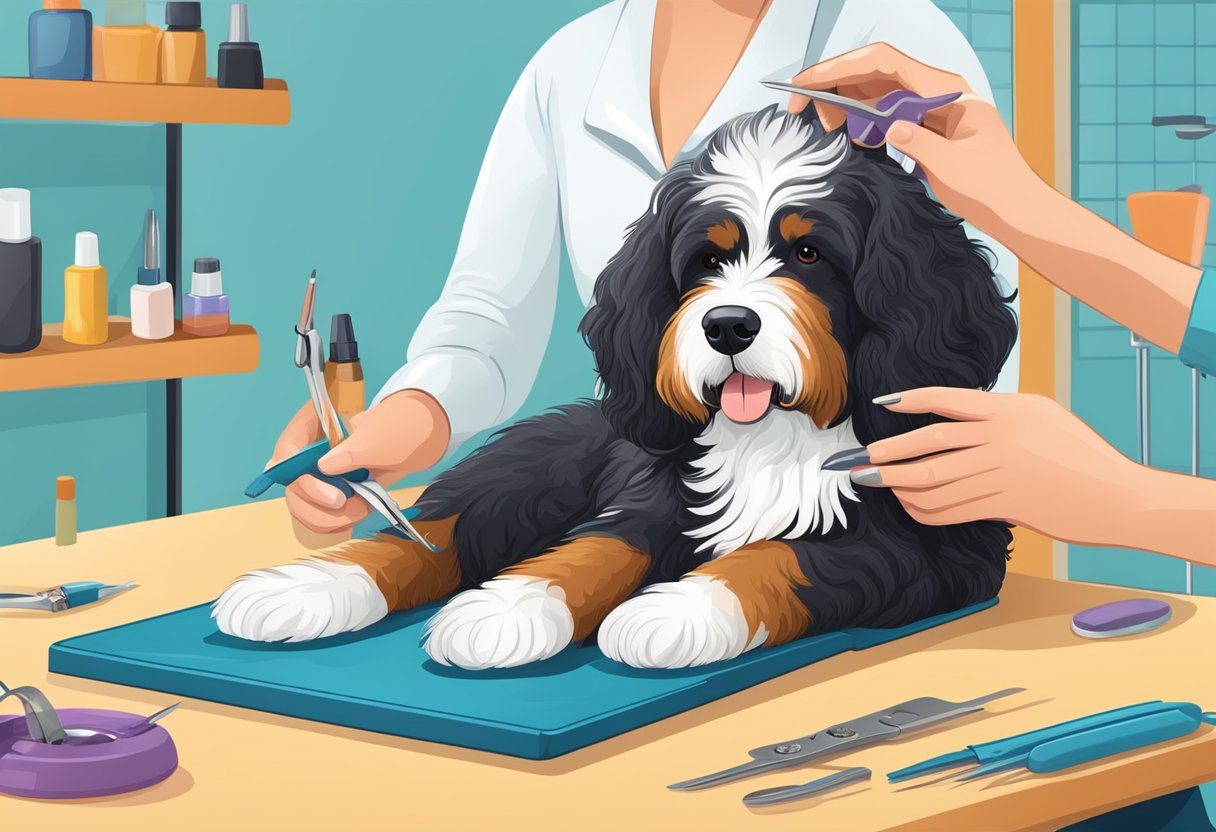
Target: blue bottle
pixel 61 41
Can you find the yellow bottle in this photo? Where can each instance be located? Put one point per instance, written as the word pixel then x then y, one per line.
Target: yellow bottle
pixel 84 295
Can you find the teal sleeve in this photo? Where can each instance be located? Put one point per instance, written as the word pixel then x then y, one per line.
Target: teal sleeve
pixel 1198 348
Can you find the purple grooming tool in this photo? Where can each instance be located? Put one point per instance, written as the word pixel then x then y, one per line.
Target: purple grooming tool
pixel 868 125
pixel 870 130
pixel 93 760
pixel 1121 618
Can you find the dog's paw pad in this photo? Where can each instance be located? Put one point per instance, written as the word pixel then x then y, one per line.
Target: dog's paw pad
pixel 299 602
pixel 686 623
pixel 508 622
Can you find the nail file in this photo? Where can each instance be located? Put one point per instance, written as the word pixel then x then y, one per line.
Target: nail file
pixel 1121 618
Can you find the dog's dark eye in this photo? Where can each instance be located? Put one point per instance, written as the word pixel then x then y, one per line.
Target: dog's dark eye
pixel 808 254
pixel 711 262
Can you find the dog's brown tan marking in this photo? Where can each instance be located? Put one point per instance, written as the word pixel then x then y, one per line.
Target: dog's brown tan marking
pixel 669 381
pixel 595 573
pixel 406 573
pixel 794 227
pixel 825 381
pixel 764 576
pixel 725 235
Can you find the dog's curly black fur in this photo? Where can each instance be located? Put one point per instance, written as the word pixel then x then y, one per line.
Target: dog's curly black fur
pixel 921 308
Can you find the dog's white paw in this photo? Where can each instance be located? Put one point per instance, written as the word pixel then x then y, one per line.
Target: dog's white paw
pixel 299 602
pixel 508 622
pixel 685 623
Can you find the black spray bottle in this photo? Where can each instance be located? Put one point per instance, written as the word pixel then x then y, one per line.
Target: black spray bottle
pixel 20 274
pixel 240 58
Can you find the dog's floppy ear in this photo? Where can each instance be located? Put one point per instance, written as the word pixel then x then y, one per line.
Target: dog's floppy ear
pixel 934 314
pixel 635 296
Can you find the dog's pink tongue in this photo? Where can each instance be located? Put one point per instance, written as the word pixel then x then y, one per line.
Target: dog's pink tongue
pixel 745 399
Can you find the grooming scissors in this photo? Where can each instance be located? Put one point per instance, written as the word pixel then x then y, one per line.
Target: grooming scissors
pixel 358 483
pixel 879 726
pixel 63 597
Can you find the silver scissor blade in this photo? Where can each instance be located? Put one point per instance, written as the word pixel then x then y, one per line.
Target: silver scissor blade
pixel 989 697
pixel 939 710
pixel 730 775
pixel 387 507
pixel 22 601
pixel 783 794
pixel 826 97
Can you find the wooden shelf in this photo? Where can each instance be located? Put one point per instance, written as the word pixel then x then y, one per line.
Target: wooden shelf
pixel 123 358
pixel 37 98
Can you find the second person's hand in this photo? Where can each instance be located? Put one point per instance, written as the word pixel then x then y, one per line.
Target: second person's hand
pixel 406 432
pixel 1019 458
pixel 964 148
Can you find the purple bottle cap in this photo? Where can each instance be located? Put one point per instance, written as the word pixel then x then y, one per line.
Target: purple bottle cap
pixel 90 763
pixel 1121 618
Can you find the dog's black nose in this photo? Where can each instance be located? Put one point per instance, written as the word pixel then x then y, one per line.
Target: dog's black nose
pixel 730 329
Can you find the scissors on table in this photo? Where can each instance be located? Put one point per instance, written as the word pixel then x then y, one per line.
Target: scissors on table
pixel 309 358
pixel 63 597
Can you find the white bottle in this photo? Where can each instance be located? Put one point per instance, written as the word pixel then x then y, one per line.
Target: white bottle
pixel 151 299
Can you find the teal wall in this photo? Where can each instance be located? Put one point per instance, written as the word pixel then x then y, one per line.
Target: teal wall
pixel 988 27
pixel 392 106
pixel 1134 61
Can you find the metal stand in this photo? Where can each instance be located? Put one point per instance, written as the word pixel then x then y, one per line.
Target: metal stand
pixel 1195 375
pixel 1142 398
pixel 173 264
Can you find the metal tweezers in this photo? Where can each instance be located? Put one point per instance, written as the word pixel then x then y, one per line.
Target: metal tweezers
pixel 309 358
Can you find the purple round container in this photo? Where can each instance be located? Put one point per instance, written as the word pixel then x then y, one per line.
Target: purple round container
pixel 1121 618
pixel 83 766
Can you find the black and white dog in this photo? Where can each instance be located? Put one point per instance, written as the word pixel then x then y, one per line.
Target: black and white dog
pixel 780 281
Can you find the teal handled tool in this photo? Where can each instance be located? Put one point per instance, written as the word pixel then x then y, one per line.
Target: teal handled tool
pixel 63 597
pixel 357 483
pixel 1070 743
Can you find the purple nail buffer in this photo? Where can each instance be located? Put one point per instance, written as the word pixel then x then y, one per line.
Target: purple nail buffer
pixel 90 763
pixel 1121 618
pixel 900 105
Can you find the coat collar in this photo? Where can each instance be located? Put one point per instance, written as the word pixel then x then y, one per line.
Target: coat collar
pixel 618 111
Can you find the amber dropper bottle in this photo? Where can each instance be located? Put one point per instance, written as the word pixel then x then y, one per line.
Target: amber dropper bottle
pixel 343 372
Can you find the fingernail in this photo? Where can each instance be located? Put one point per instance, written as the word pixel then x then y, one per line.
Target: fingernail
pixel 900 131
pixel 334 497
pixel 866 476
pixel 336 462
pixel 890 398
pixel 846 460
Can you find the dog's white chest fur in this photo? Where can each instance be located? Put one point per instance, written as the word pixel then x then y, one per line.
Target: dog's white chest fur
pixel 763 481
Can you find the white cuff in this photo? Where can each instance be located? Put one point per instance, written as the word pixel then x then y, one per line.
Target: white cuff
pixel 468 386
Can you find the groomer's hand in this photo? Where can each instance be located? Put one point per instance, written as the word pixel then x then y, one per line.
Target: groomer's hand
pixel 1019 458
pixel 966 152
pixel 406 432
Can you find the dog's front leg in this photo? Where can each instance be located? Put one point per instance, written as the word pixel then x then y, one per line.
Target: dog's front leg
pixel 341 589
pixel 716 612
pixel 533 609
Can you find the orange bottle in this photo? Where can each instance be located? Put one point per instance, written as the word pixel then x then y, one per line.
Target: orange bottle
pixel 127 48
pixel 183 46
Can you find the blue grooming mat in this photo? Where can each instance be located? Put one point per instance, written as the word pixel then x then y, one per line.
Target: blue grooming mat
pixel 379 679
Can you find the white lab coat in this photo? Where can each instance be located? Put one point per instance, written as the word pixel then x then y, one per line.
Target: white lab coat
pixel 574 159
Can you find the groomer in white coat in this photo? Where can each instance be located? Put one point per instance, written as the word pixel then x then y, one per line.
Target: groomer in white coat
pixel 599 114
